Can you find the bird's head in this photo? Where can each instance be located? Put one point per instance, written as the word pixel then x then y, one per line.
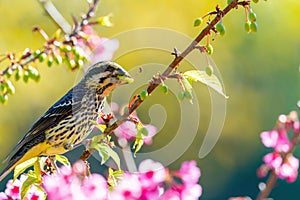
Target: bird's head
pixel 105 76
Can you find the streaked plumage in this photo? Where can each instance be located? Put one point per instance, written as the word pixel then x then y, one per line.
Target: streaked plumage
pixel 67 122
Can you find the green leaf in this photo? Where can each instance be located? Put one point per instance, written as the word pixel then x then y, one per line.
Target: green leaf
pixel 19 169
pixel 186 84
pixel 115 157
pixel 253 27
pixel 3 87
pixel 103 152
pixel 247 26
pixel 188 95
pixel 181 95
pixel 10 87
pixel 138 143
pixel 106 152
pixel 19 73
pixel 4 99
pixel 50 61
pixel 105 20
pixel 37 169
pixel 101 127
pixel 58 59
pixel 42 57
pixel 27 184
pixel 9 72
pixel 96 140
pixel 144 131
pixel 26 76
pixel 252 16
pixel 62 159
pixel 114 176
pixel 211 81
pixel 40 188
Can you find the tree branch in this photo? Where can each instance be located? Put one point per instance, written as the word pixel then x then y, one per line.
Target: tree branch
pixel 153 84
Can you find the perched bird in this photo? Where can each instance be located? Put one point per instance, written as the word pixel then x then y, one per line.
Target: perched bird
pixel 68 121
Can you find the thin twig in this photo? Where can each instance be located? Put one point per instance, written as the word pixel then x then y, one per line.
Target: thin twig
pixel 55 15
pixel 270 184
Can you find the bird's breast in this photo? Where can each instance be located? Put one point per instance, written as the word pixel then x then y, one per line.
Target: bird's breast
pixel 75 128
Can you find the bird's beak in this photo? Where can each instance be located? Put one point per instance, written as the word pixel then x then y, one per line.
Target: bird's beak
pixel 124 79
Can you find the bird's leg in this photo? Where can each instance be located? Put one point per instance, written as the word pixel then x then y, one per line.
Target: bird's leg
pixel 53 162
pixel 87 168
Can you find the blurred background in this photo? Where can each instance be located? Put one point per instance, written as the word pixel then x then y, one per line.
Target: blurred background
pixel 260 73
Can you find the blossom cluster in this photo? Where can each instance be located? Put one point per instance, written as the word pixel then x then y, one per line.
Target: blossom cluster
pixel 281 160
pixel 128 130
pixel 152 181
pixel 13 191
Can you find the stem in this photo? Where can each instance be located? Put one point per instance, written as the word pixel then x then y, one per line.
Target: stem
pixel 153 84
pixel 269 186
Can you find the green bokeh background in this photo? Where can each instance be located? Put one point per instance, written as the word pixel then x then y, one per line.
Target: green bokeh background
pixel 260 72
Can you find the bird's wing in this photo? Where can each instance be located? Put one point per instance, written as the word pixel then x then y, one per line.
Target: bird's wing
pixel 63 108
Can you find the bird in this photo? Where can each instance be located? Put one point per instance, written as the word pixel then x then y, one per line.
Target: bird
pixel 69 121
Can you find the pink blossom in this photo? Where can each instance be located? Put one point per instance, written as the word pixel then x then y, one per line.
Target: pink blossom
pixel 97 48
pixel 283 142
pixel 62 185
pixel 171 195
pixel 269 138
pixel 94 187
pixel 152 174
pixel 263 170
pixel 35 194
pixel 70 184
pixel 289 169
pixel 189 172
pixel 151 193
pixel 151 133
pixel 13 189
pixel 296 126
pixel 273 160
pixel 130 188
pixel 128 131
pixel 3 196
pixel 239 198
pixel 104 50
pixel 115 195
pixel 191 192
pixel 277 140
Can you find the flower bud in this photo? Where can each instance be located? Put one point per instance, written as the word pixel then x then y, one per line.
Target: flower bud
pixel 220 28
pixel 198 21
pixel 144 95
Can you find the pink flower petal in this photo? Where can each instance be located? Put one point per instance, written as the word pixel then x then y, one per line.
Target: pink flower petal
pixel 269 138
pixel 189 172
